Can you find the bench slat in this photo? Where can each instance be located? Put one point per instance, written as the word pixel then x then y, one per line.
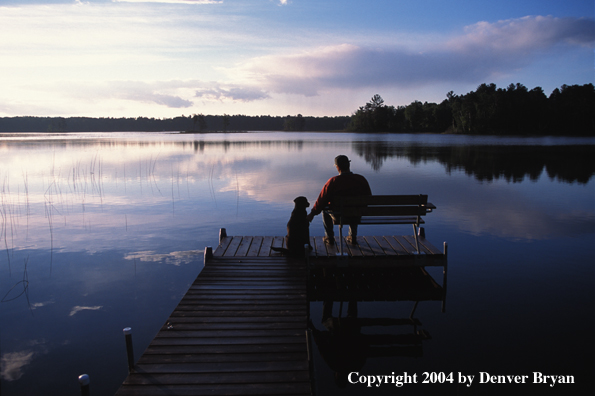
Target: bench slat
pixel 352 211
pixel 390 220
pixel 386 200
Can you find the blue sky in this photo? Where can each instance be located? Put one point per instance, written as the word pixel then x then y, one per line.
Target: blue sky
pixel 129 58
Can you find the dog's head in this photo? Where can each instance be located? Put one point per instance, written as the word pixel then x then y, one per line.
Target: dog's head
pixel 301 202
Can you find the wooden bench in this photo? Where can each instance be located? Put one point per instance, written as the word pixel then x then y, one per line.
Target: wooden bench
pixel 382 209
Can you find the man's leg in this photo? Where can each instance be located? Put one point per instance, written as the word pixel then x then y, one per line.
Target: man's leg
pixel 352 236
pixel 327 221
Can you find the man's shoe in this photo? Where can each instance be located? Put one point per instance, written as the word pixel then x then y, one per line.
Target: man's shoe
pixel 328 240
pixel 351 240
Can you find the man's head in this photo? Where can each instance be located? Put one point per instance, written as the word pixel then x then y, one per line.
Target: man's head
pixel 342 162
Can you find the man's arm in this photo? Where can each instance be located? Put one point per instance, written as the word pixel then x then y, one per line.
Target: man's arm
pixel 322 200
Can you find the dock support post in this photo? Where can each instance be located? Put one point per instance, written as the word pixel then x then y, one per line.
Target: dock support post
pixel 444 273
pixel 222 234
pixel 208 253
pixel 128 336
pixel 413 311
pixel 421 232
pixel 84 382
pixel 416 232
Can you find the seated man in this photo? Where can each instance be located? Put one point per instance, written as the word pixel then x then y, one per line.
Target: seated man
pixel 347 184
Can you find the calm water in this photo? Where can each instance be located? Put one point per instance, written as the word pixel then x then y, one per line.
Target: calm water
pixel 104 231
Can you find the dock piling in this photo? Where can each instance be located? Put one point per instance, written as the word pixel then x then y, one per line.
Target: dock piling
pixel 128 336
pixel 208 253
pixel 444 275
pixel 84 381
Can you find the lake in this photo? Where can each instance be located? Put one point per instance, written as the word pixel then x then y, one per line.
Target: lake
pixel 102 231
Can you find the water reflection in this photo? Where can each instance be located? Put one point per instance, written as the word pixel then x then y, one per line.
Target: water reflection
pixel 104 231
pixel 345 348
pixel 568 163
pixel 346 343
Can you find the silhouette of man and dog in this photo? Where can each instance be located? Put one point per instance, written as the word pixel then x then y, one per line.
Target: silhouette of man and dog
pixel 345 184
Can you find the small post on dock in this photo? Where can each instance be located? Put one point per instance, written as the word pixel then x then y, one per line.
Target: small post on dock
pixel 444 273
pixel 129 351
pixel 84 382
pixel 208 253
pixel 222 234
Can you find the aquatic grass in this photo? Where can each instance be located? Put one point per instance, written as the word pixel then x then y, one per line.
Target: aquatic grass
pixel 25 283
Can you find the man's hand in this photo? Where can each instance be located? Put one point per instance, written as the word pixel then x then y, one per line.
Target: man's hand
pixel 310 217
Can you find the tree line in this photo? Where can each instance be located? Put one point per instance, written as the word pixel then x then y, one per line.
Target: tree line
pixel 192 123
pixel 515 110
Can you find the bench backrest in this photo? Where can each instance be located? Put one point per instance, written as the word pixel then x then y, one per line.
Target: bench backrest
pixel 384 205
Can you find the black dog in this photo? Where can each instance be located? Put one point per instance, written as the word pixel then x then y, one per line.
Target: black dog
pixel 298 230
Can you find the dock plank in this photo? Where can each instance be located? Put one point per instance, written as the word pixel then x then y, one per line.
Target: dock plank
pixel 255 246
pixel 375 249
pixel 265 248
pixel 244 246
pixel 320 247
pixel 365 247
pixel 232 247
pixel 223 246
pixel 384 245
pixel 397 247
pixel 221 389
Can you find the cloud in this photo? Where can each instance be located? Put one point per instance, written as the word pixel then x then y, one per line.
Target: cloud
pixel 232 92
pixel 175 258
pixel 171 1
pixel 525 34
pixel 79 308
pixel 484 50
pixel 172 94
pixel 41 304
pixel 13 363
pixel 164 93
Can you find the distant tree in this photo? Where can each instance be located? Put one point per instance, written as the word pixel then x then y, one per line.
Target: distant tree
pixel 294 123
pixel 225 118
pixel 572 109
pixel 202 123
pixel 57 124
pixel 300 122
pixel 372 117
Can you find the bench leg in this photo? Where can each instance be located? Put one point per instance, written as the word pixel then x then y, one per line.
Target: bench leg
pixel 416 238
pixel 413 311
pixel 340 239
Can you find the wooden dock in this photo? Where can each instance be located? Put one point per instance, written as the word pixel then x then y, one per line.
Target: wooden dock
pixel 241 329
pixel 391 250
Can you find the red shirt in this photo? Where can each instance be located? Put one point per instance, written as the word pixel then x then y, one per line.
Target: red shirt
pixel 347 184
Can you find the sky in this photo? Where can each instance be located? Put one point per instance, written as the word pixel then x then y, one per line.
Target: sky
pixel 166 58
